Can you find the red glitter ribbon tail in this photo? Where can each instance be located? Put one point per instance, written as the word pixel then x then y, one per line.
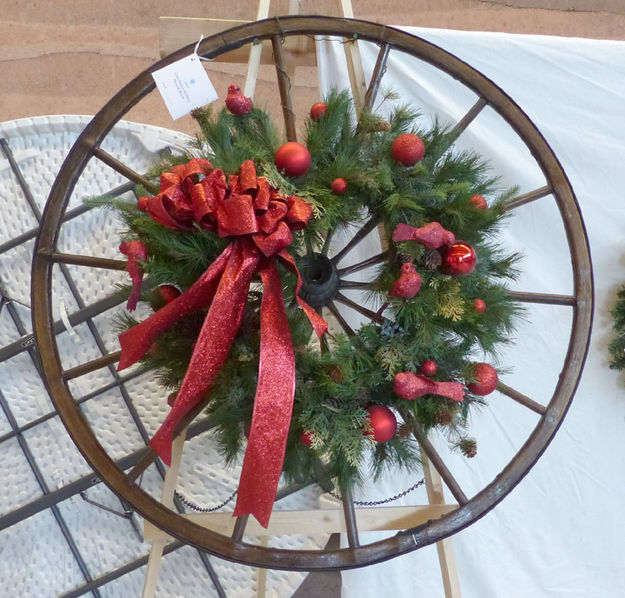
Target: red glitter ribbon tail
pixel 320 326
pixel 273 404
pixel 212 346
pixel 136 341
pixel 136 253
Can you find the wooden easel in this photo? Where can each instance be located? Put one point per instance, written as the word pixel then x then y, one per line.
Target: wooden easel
pixel 178 32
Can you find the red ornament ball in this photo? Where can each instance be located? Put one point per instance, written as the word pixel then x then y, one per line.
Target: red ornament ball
pixel 318 110
pixel 306 438
pixel 293 158
pixel 479 306
pixel 383 422
pixel 478 202
pixel 428 367
pixel 408 149
pixel 339 186
pixel 486 379
pixel 168 292
pixel 458 259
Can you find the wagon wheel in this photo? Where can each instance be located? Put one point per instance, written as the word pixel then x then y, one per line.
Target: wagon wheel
pixel 88 146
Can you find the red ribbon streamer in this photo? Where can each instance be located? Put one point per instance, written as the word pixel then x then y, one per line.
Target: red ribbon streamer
pixel 136 252
pixel 261 221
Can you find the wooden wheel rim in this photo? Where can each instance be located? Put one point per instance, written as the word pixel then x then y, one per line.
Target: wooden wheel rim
pixel 405 541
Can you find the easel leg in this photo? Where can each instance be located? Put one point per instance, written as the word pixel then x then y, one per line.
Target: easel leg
pixel 445 549
pixel 169 486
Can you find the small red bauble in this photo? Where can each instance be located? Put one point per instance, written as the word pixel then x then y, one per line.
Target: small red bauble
pixel 306 438
pixel 318 110
pixel 383 422
pixel 458 259
pixel 478 202
pixel 408 149
pixel 479 306
pixel 339 186
pixel 486 379
pixel 428 367
pixel 293 158
pixel 169 292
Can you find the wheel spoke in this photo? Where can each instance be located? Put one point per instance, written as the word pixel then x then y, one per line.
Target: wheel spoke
pixel 69 215
pixel 91 366
pixel 357 238
pixel 350 518
pixel 340 319
pixel 86 260
pixel 124 170
pixel 543 298
pixel 376 77
pixel 372 261
pixel 521 398
pixel 239 527
pixel 521 200
pixel 439 465
pixel 468 118
pixel 327 242
pixel 373 316
pixel 284 85
pixel 355 284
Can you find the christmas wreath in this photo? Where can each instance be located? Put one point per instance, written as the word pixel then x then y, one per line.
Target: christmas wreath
pixel 236 247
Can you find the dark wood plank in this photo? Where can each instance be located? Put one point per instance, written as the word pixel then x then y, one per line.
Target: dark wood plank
pixel 543 298
pixel 284 85
pixel 124 170
pixel 440 466
pixel 376 77
pixel 521 398
pixel 87 260
pixel 521 200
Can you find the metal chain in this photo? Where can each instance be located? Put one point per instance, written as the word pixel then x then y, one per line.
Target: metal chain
pixel 362 503
pixel 185 501
pixel 374 503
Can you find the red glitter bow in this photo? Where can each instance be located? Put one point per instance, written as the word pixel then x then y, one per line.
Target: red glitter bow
pixel 432 235
pixel 260 220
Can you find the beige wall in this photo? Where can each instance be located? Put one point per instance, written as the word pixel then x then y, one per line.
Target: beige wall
pixel 71 56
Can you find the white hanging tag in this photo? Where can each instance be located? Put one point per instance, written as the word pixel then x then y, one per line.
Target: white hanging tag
pixel 184 86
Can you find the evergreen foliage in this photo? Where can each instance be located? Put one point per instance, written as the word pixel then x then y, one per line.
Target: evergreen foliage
pixel 335 386
pixel 617 346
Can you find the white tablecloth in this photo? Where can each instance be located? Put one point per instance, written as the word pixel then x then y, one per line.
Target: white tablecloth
pixel 560 531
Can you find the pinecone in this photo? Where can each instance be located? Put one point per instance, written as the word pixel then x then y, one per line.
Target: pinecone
pixel 468 446
pixel 444 417
pixel 432 259
pixel 383 125
pixel 405 431
pixel 391 329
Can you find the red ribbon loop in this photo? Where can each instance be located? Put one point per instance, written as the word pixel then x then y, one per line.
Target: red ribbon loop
pixel 260 220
